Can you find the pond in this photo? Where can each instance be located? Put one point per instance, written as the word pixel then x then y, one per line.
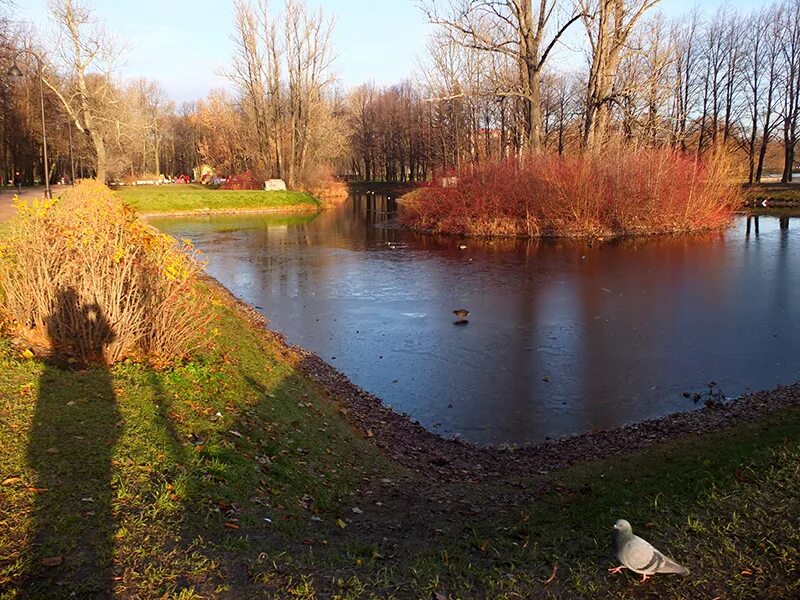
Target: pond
pixel 563 336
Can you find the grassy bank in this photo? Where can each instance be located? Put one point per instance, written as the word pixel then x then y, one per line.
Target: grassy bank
pixel 775 193
pixel 236 476
pixel 169 199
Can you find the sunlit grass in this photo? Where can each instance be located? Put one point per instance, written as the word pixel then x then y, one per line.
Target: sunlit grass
pixel 191 197
pixel 206 480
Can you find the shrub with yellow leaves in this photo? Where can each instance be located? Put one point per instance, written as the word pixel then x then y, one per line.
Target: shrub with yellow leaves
pixel 84 278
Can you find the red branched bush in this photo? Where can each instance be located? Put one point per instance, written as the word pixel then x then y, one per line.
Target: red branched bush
pixel 619 192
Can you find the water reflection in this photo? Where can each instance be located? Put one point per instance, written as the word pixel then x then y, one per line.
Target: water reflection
pixel 563 336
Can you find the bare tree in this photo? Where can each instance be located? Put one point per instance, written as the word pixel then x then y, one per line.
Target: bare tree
pixel 283 71
pixel 790 51
pixel 684 77
pixel 609 25
pixel 760 80
pixel 515 29
pixel 772 63
pixel 88 55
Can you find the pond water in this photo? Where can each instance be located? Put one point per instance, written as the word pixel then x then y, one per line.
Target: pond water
pixel 562 337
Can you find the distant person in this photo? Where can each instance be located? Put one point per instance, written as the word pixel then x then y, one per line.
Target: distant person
pixel 18 181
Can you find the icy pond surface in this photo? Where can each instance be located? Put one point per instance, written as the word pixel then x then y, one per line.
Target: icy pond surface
pixel 563 337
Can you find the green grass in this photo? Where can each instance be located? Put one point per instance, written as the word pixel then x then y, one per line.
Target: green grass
pixel 236 476
pixel 143 470
pixel 775 192
pixel 197 198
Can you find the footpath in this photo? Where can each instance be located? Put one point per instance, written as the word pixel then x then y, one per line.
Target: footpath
pixel 7 198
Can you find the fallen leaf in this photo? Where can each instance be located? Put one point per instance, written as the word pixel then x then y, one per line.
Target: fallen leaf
pixel 231 525
pixel 236 433
pixel 27 353
pixel 11 481
pixel 36 490
pixel 341 523
pixel 747 573
pixel 52 561
pixel 52 450
pixel 552 577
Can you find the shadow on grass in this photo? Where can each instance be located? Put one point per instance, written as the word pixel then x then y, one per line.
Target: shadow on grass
pixel 74 430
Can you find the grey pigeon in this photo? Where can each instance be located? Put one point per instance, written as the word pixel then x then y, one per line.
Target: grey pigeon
pixel 638 555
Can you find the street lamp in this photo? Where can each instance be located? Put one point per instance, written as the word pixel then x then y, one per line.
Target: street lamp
pixel 15 71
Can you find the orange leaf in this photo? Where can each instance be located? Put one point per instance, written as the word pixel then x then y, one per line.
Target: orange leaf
pixel 11 480
pixel 231 525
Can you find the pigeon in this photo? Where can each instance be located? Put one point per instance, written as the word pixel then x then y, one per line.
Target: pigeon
pixel 638 555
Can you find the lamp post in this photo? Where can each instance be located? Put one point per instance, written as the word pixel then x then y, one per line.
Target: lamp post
pixel 15 71
pixel 71 157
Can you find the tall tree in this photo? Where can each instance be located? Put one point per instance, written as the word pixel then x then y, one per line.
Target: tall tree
pixel 513 28
pixel 88 55
pixel 609 25
pixel 790 50
pixel 283 69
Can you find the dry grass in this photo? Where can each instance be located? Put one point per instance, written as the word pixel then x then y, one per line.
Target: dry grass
pixel 619 192
pixel 83 278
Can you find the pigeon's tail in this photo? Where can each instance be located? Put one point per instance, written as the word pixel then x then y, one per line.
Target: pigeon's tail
pixel 670 566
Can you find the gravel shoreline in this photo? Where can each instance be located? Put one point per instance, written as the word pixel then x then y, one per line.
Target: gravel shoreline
pixel 411 445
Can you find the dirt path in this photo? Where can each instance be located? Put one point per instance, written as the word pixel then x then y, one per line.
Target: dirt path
pixel 7 198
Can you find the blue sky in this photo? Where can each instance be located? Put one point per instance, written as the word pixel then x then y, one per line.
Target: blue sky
pixel 185 43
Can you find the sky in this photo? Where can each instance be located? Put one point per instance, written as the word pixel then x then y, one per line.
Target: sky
pixel 186 44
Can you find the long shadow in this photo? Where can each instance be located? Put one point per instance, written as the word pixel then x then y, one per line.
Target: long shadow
pixel 74 430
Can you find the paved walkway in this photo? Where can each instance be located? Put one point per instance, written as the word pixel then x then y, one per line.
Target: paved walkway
pixel 7 198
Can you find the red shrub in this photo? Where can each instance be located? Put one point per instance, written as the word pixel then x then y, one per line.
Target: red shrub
pixel 620 192
pixel 243 181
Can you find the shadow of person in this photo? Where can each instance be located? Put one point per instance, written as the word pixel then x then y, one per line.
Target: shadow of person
pixel 71 442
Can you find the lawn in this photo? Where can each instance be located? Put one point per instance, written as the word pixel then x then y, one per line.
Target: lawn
pixel 198 198
pixel 775 192
pixel 237 476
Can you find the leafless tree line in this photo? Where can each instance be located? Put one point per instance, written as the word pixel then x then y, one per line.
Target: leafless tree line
pixel 500 78
pixel 96 125
pixel 690 83
pixel 282 71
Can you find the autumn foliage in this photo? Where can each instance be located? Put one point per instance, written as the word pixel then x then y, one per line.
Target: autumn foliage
pixel 619 192
pixel 82 277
